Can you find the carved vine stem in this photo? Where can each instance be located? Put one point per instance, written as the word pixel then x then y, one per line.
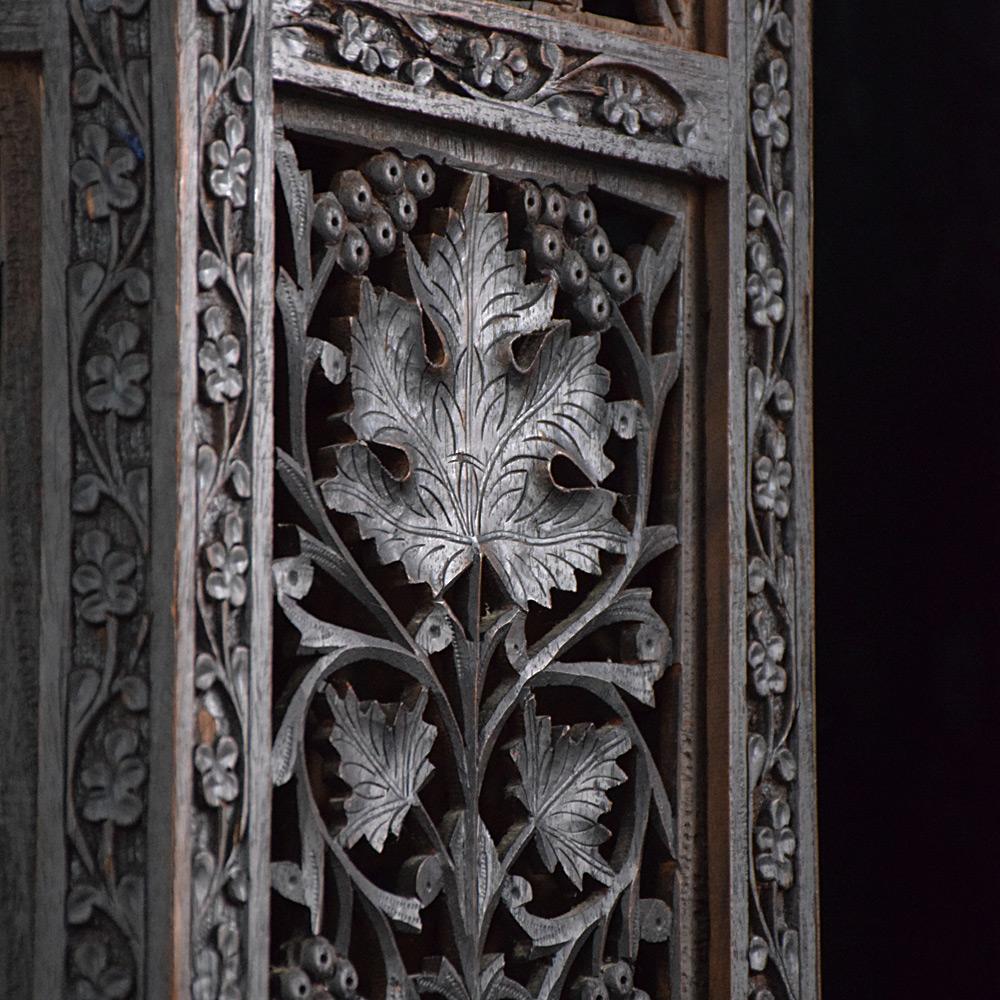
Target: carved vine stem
pixel 772 657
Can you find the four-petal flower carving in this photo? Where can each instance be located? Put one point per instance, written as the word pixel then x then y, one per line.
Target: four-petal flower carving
pixel 773 475
pixel 363 41
pixel 764 654
pixel 217 767
pixel 764 286
pixel 102 173
pixel 229 560
pixel 231 162
pixel 95 978
pixel 112 783
pixel 776 844
pixel 102 578
pixel 219 358
pixel 116 378
pixel 772 105
pixel 495 62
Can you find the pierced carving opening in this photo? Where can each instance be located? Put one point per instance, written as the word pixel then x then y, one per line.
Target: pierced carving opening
pixel 474 751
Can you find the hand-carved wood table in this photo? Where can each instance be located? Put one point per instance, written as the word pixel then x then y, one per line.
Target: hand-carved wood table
pixel 419 602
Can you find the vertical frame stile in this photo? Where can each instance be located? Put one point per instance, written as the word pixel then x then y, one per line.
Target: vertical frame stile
pixel 229 728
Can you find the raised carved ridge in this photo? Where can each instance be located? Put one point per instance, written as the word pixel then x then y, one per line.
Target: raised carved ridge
pixel 772 657
pixel 108 323
pixel 459 399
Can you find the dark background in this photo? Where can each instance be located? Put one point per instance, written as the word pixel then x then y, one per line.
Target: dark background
pixel 907 396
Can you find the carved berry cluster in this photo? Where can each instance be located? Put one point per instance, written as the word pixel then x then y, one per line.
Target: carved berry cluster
pixel 365 211
pixel 614 982
pixel 317 971
pixel 563 239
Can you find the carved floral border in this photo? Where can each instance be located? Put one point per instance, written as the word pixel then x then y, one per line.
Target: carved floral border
pixel 227 31
pixel 774 663
pixel 108 340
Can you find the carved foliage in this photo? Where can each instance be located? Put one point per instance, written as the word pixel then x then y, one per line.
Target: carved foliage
pixel 460 399
pixel 225 304
pixel 438 54
pixel 772 661
pixel 108 324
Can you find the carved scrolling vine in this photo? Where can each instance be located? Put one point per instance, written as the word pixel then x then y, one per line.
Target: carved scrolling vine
pixel 108 324
pixel 772 657
pixel 461 399
pixel 437 54
pixel 226 240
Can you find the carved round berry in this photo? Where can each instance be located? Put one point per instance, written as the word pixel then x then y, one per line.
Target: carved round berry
pixel 403 209
pixel 524 205
pixel 590 988
pixel 618 979
pixel 640 995
pixel 553 207
pixel 355 195
pixel 580 213
pixel 295 985
pixel 355 253
pixel 573 273
pixel 547 247
pixel 420 178
pixel 617 278
pixel 595 248
pixel 380 231
pixel 318 957
pixel 386 172
pixel 344 981
pixel 593 306
pixel 329 219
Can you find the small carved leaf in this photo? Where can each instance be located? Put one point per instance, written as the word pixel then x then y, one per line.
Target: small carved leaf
pixel 243 84
pixel 757 754
pixel 479 432
pixel 331 359
pixel 209 269
pixel 80 903
pixel 137 286
pixel 85 279
pixel 487 866
pixel 203 869
pixel 86 86
pixel 560 108
pixel 564 780
pixel 87 490
pixel 313 859
pixel 433 629
pixel 240 478
pixel 134 692
pixel 383 758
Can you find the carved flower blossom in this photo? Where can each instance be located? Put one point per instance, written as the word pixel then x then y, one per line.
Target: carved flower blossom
pixel 361 42
pixel 102 172
pixel 495 62
pixel 764 654
pixel 95 979
pixel 101 579
pixel 625 104
pixel 231 162
pixel 216 766
pixel 127 7
pixel 112 783
pixel 776 844
pixel 116 377
pixel 229 560
pixel 773 475
pixel 772 105
pixel 764 286
pixel 218 358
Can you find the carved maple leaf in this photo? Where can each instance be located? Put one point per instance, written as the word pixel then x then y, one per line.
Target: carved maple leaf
pixel 565 776
pixel 478 429
pixel 383 757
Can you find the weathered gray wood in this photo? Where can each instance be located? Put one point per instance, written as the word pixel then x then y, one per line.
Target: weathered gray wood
pixel 681 122
pixel 20 494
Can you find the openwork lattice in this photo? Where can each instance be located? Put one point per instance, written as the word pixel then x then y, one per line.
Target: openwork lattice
pixel 471 651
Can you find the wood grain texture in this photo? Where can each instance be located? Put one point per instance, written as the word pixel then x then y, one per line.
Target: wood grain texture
pixel 20 497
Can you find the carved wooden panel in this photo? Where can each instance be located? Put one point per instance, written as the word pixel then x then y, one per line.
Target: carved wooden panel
pixel 471 653
pixel 423 572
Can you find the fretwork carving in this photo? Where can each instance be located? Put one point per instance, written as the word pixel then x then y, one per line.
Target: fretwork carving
pixel 463 590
